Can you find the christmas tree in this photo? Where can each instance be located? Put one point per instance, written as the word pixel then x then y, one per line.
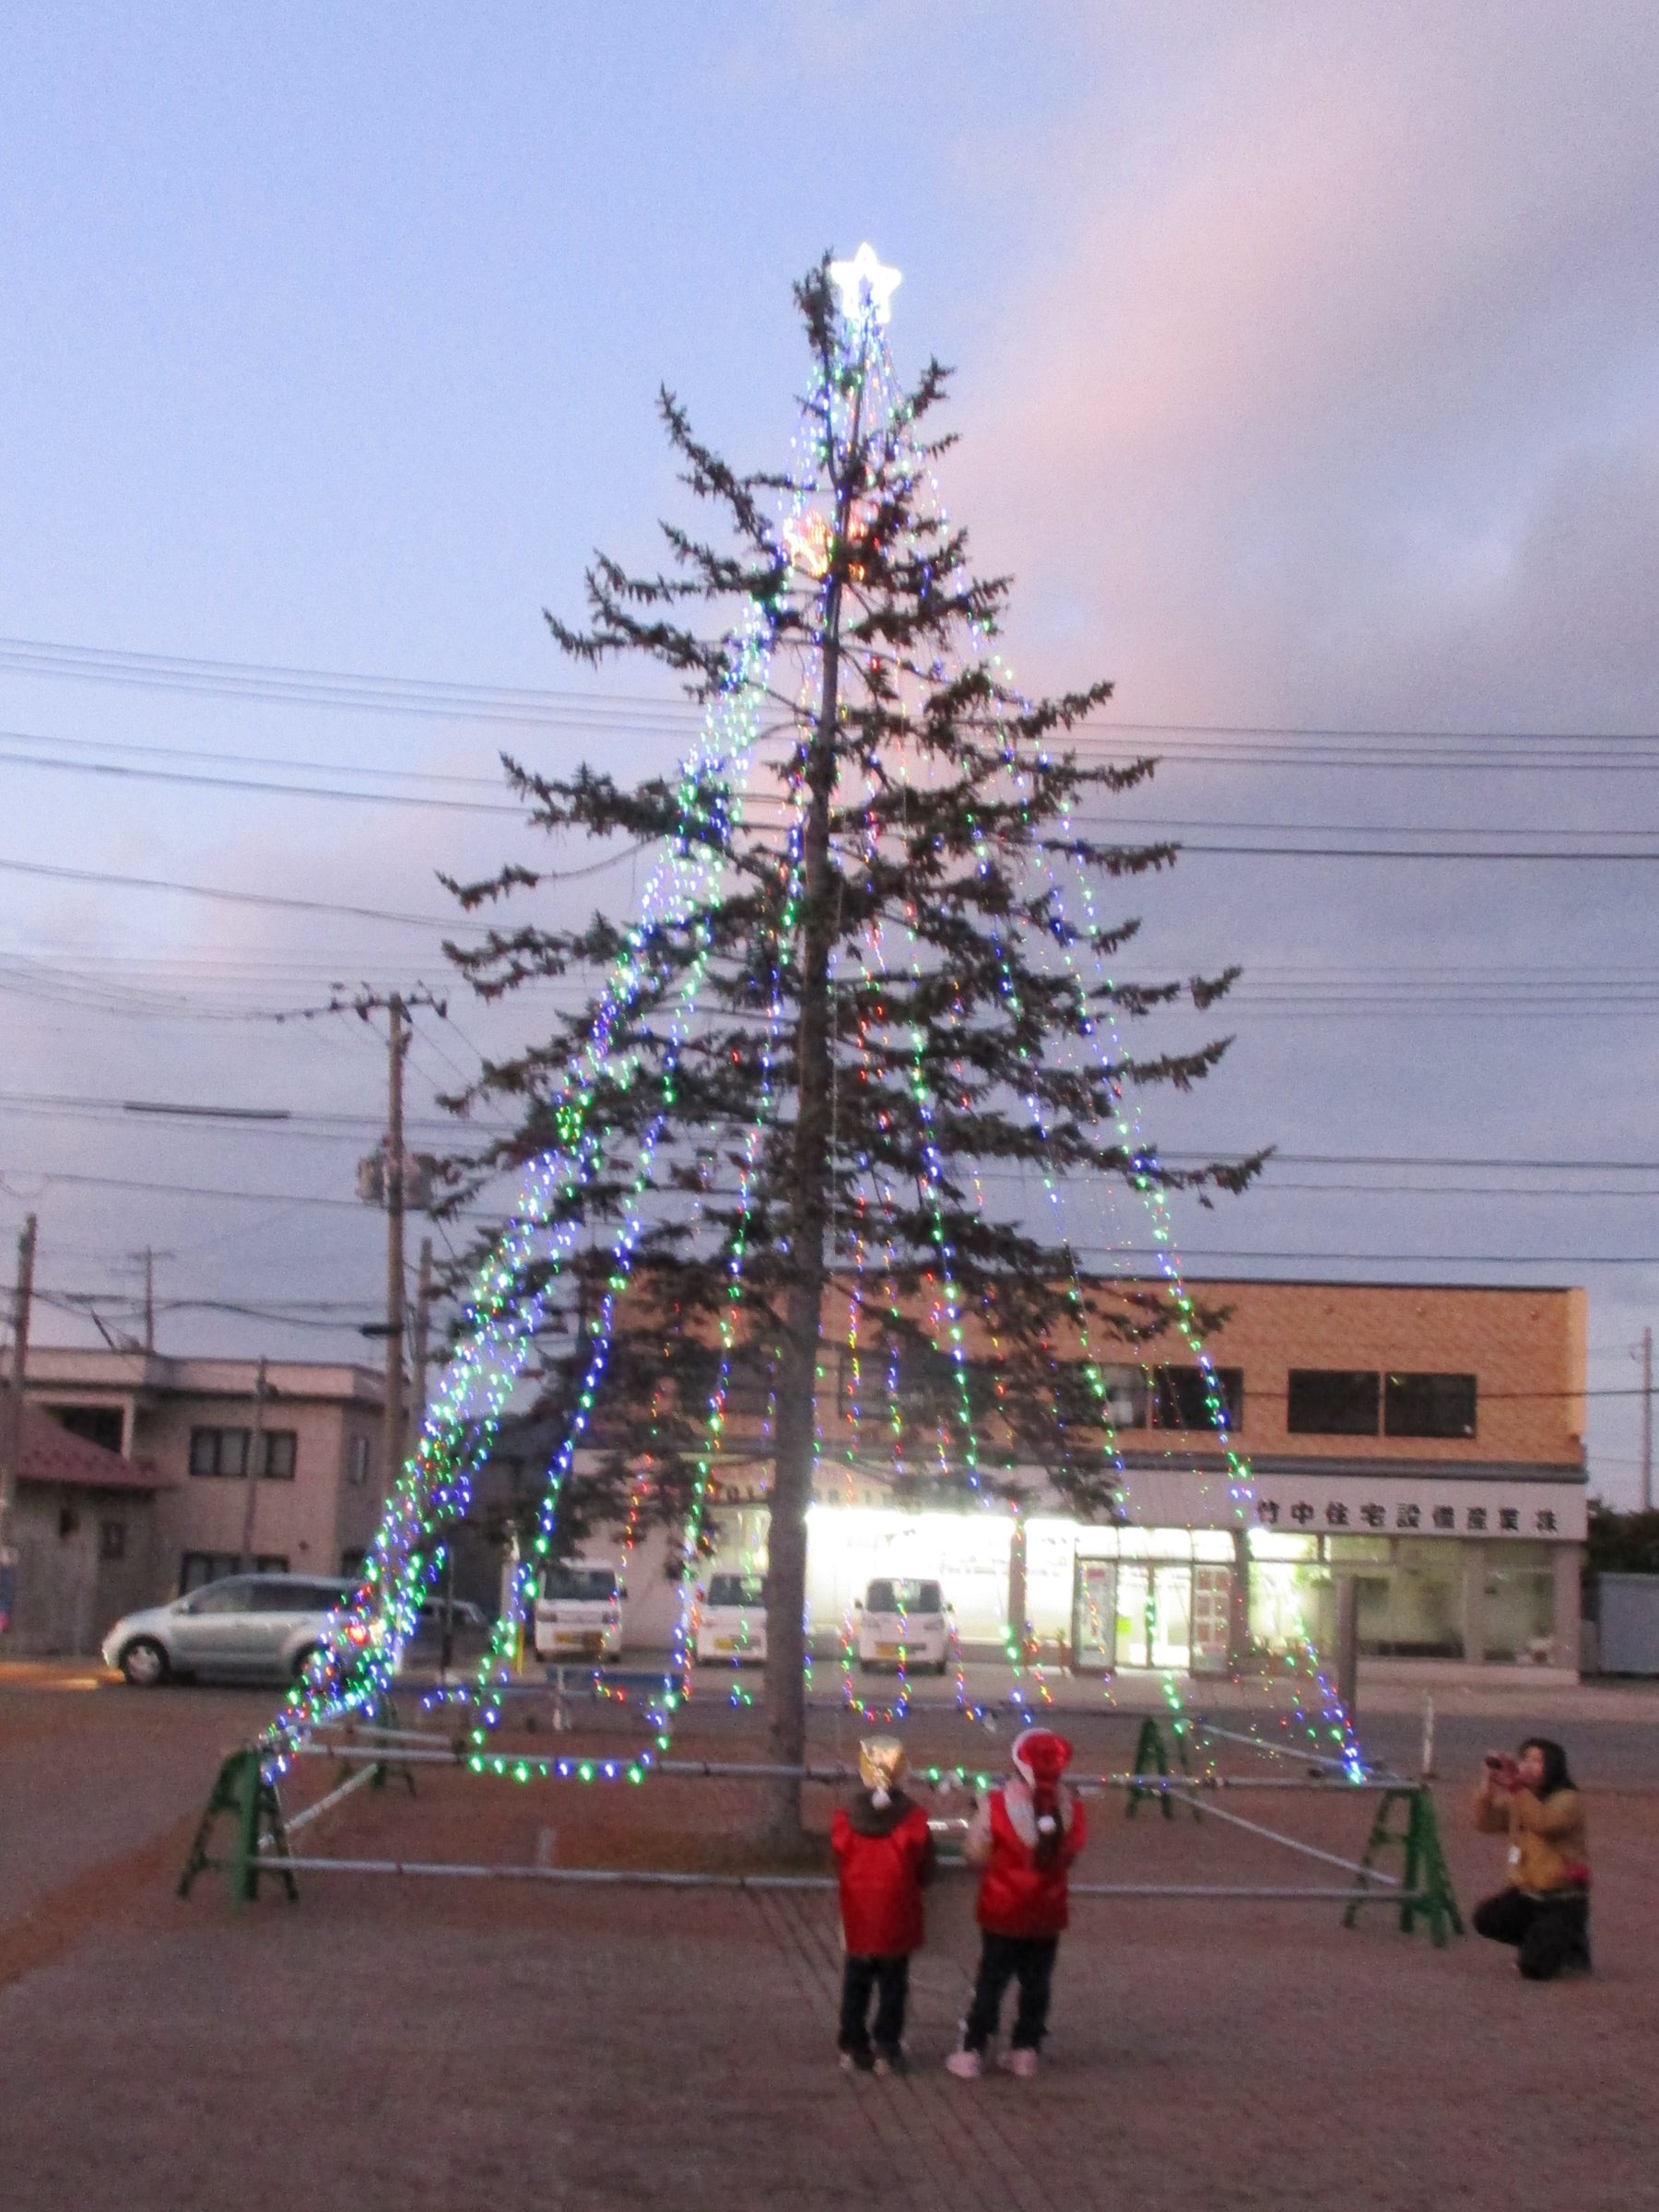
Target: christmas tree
pixel 868 977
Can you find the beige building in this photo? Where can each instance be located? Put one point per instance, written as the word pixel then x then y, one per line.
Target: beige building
pixel 186 1427
pixel 1425 1441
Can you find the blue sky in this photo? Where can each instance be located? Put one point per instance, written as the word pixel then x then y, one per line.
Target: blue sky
pixel 1306 374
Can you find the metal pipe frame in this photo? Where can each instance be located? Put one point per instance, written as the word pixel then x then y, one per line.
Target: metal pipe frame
pixel 713 1769
pixel 648 1877
pixel 1308 1851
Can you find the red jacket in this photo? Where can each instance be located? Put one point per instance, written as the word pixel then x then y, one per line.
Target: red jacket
pixel 883 1859
pixel 1017 1895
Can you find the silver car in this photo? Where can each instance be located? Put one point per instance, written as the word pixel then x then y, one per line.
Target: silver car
pixel 248 1627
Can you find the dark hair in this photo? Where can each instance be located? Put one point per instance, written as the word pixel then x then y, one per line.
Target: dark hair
pixel 1555 1776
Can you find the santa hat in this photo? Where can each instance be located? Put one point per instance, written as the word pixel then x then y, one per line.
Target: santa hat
pixel 880 1764
pixel 1041 1757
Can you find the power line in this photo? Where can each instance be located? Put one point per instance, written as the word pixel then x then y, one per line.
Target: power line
pixel 1408 852
pixel 1269 1188
pixel 205 890
pixel 293 791
pixel 1200 742
pixel 271 787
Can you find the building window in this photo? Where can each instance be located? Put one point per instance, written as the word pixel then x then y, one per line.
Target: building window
pixel 1128 1400
pixel 1429 1406
pixel 224 1452
pixel 1181 1397
pixel 99 1424
pixel 111 1539
pixel 1332 1401
pixel 218 1451
pixel 357 1459
pixel 281 1448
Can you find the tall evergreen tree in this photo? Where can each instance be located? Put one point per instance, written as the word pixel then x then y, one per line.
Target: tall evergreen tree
pixel 874 979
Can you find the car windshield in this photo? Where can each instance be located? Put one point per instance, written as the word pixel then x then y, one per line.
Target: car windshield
pixel 737 1590
pixel 582 1585
pixel 902 1596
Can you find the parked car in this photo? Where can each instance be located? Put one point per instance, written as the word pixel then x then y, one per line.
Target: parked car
pixel 466 1617
pixel 730 1620
pixel 904 1623
pixel 578 1612
pixel 469 1633
pixel 245 1627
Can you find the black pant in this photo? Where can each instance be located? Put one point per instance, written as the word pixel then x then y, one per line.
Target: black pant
pixel 1549 1933
pixel 890 1979
pixel 1001 1958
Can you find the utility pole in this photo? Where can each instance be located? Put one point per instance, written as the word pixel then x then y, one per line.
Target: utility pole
pixel 255 1457
pixel 392 1179
pixel 144 1262
pixel 1647 1420
pixel 420 1348
pixel 12 1468
pixel 397 1303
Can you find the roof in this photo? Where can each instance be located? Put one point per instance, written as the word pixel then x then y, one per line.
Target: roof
pixel 51 1456
pixel 142 1375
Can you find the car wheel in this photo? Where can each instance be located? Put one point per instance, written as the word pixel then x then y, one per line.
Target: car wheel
pixel 144 1664
pixel 302 1660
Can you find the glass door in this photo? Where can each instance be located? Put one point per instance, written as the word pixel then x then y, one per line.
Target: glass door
pixel 1212 1605
pixel 1134 1606
pixel 1172 1615
pixel 1094 1616
pixel 1154 1614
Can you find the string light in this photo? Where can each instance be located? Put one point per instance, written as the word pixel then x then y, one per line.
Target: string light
pixel 853 401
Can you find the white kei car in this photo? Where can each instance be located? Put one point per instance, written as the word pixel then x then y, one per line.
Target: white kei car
pixel 578 1612
pixel 730 1620
pixel 904 1623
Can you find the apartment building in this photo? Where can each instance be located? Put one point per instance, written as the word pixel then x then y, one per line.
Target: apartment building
pixel 190 1433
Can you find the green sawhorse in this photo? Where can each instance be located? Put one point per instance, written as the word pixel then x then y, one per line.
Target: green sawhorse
pixel 259 1840
pixel 1151 1757
pixel 1426 1886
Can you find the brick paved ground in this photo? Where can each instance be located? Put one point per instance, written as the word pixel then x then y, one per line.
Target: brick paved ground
pixel 445 2045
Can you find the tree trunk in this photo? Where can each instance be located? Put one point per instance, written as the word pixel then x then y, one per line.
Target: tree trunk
pixel 795 1437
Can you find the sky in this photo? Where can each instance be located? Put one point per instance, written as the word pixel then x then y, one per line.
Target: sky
pixel 1305 379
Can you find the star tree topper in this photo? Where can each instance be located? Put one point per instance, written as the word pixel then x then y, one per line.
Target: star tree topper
pixel 865 285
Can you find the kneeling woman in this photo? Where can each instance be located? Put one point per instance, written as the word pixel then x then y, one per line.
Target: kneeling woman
pixel 1545 1912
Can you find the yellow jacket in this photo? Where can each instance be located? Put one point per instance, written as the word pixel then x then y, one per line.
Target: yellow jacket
pixel 1547 1850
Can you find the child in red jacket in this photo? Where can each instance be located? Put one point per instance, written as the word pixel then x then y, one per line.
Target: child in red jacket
pixel 884 1854
pixel 1025 1835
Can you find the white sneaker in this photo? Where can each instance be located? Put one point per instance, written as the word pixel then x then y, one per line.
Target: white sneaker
pixel 964 2065
pixel 1022 2062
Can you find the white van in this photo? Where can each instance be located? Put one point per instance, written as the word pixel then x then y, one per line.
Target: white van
pixel 578 1612
pixel 904 1623
pixel 730 1620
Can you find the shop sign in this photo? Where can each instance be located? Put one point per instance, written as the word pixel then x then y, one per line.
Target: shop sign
pixel 1548 1511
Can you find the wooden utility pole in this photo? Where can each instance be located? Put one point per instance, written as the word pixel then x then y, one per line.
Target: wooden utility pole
pixel 421 1347
pixel 244 1557
pixel 1647 1420
pixel 395 1422
pixel 11 1467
